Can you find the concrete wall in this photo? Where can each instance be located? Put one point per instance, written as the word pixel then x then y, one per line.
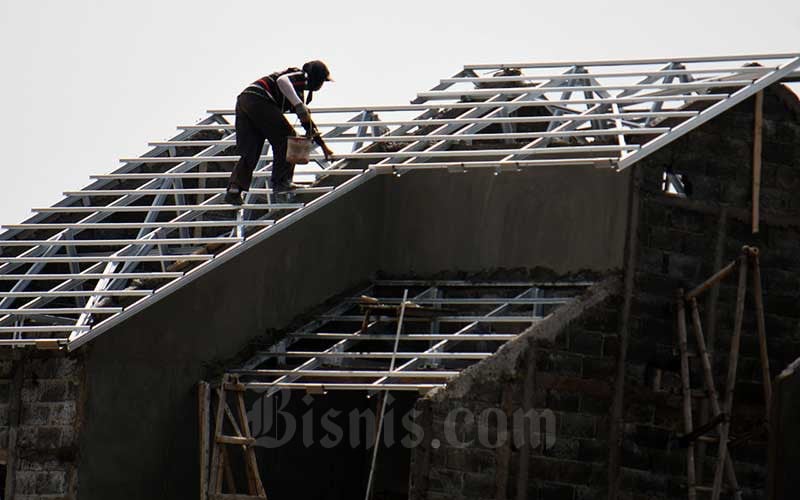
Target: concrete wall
pixel 140 438
pixel 561 218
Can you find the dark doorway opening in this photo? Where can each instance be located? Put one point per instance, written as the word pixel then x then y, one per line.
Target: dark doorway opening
pixel 320 446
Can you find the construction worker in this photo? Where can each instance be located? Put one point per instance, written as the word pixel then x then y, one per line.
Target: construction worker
pixel 259 116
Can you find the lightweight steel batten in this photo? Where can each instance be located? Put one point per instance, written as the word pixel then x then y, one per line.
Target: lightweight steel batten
pixel 327 368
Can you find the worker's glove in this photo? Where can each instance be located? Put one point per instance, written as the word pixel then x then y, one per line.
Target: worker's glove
pixel 302 112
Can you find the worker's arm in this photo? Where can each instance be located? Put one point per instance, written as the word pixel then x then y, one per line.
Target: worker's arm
pixel 287 88
pixel 325 149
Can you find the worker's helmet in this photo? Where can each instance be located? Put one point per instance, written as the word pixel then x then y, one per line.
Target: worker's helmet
pixel 317 74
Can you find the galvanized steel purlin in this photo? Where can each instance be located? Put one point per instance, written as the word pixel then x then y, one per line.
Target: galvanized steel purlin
pixel 488 113
pixel 582 113
pixel 635 62
pixel 139 249
pixel 340 346
pixel 340 365
pixel 710 112
pixel 53 249
pixel 37 250
pixel 443 345
pixel 412 123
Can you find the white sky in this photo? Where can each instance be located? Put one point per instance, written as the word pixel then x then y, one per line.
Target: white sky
pixel 84 83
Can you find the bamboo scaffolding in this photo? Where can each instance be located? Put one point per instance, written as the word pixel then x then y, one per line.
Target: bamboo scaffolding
pixel 721 408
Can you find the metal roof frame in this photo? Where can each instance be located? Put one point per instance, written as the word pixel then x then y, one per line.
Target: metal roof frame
pixel 158 222
pixel 358 357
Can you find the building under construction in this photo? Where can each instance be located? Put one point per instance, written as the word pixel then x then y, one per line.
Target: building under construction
pixel 610 247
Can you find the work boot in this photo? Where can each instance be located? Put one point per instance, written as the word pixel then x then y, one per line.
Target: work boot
pixel 283 194
pixel 284 186
pixel 233 196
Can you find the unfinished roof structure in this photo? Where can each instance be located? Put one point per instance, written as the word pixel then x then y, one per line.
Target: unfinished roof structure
pixel 109 250
pixel 357 335
pixel 518 237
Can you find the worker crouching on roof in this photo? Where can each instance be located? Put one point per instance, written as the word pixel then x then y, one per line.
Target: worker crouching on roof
pixel 260 116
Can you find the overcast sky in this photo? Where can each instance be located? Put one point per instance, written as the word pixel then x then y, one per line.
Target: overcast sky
pixel 85 83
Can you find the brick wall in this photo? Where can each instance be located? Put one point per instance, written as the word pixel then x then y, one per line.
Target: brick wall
pixel 560 368
pixel 682 241
pixel 49 414
pixel 567 365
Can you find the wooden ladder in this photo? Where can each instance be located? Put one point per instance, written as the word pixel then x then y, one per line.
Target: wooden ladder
pixel 721 410
pixel 222 445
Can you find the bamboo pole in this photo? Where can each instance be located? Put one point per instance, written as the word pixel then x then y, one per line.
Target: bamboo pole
pixel 711 330
pixel 705 358
pixel 204 417
pixel 730 381
pixel 713 280
pixel 687 394
pixel 710 385
pixel 762 332
pixel 368 493
pixel 757 133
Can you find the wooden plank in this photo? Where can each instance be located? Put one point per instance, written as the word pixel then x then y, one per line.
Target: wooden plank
pixel 757 146
pixel 48 344
pixel 235 387
pixel 231 496
pixel 254 476
pixel 204 418
pixel 251 473
pixel 215 482
pixel 235 440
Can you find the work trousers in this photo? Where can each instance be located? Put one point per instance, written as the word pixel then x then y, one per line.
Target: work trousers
pixel 259 119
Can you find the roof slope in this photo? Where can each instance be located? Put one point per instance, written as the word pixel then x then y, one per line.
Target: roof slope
pixel 74 270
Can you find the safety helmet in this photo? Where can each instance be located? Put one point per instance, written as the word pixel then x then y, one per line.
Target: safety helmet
pixel 317 74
